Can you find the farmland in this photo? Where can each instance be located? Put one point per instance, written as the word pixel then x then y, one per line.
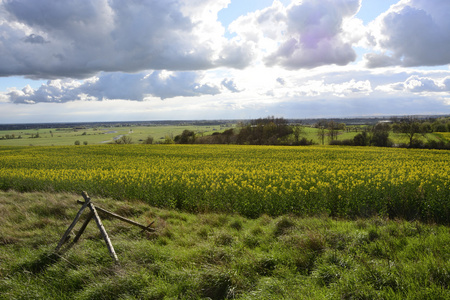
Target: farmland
pixel 266 131
pixel 249 180
pixel 216 256
pixel 231 222
pixel 90 135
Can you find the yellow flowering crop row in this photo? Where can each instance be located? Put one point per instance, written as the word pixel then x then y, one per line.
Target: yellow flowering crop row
pixel 251 180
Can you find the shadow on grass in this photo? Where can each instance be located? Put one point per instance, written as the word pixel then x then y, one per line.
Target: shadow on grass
pixel 41 263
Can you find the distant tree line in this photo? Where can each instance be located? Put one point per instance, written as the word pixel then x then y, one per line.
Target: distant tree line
pixel 278 131
pixel 10 137
pixel 13 136
pixel 263 131
pixel 411 127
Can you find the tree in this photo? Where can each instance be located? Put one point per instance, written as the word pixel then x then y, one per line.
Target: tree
pixel 439 127
pixel 266 131
pixel 168 139
pixel 410 127
pixel 297 130
pixel 381 139
pixel 333 128
pixel 361 139
pixel 380 136
pixel 186 137
pixel 148 140
pixel 382 126
pixel 227 136
pixel 426 127
pixel 124 140
pixel 342 126
pixel 321 134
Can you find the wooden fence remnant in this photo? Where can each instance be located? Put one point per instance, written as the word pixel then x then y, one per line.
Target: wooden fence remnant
pixel 94 215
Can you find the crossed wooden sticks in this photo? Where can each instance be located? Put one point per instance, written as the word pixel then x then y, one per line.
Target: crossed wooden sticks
pixel 94 214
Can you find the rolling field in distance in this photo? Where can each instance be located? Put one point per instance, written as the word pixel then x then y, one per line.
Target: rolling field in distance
pixel 97 135
pixel 92 135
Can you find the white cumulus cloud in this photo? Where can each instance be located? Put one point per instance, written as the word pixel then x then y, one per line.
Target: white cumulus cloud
pixel 412 33
pixel 420 84
pixel 305 34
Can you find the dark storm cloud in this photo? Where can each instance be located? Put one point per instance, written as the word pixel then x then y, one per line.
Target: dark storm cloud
pixel 117 86
pixel 78 39
pixel 35 39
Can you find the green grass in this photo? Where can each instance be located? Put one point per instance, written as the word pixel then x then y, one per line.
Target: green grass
pixel 444 136
pixel 216 256
pixel 397 138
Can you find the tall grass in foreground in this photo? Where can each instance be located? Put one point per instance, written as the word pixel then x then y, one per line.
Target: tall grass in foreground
pixel 249 180
pixel 216 256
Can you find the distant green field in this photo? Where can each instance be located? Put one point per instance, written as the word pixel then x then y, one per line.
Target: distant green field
pixel 102 135
pixel 96 135
pixel 397 138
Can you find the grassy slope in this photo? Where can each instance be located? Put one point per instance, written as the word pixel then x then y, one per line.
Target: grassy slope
pixel 216 256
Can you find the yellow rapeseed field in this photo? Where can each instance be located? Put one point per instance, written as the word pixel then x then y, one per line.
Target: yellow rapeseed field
pixel 250 180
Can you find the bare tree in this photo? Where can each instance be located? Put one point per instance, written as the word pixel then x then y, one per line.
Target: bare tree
pixel 333 128
pixel 321 134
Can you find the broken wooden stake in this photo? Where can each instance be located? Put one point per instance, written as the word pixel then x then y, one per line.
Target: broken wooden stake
pixel 103 232
pixel 94 215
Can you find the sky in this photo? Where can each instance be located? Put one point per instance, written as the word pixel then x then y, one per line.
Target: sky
pixel 143 60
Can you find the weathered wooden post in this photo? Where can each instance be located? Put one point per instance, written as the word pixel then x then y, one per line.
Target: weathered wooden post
pixel 103 232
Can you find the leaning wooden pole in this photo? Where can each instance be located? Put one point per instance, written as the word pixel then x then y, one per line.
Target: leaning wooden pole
pixel 111 214
pixel 103 232
pixel 83 227
pixel 77 217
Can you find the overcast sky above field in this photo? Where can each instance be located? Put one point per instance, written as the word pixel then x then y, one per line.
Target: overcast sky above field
pixel 124 60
